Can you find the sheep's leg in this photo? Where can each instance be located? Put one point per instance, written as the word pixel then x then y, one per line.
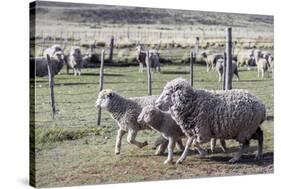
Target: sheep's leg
pixel 213 145
pixel 259 136
pixel 186 150
pixel 132 139
pixel 120 134
pixel 223 145
pixel 198 147
pixel 208 67
pixel 179 145
pixel 242 149
pixel 140 67
pixel 161 149
pixel 171 147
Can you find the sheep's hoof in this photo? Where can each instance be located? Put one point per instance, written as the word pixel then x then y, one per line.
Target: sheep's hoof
pixel 168 162
pixel 117 153
pixel 179 161
pixel 158 153
pixel 203 153
pixel 224 150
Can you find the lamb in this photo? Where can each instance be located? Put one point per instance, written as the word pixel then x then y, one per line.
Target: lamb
pixel 154 60
pixel 74 61
pixel 162 122
pixel 231 114
pixel 125 112
pixel 140 57
pixel 41 64
pixel 219 69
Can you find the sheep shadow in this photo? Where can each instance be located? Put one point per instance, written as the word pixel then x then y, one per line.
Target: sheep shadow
pixel 247 159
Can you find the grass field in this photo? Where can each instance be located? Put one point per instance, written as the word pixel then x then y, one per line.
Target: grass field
pixel 73 150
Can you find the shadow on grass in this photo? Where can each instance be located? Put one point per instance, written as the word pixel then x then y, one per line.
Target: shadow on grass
pixel 245 159
pixel 174 72
pixel 105 74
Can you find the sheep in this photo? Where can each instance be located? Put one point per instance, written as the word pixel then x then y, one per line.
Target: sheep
pixel 246 58
pixel 125 112
pixel 74 61
pixel 219 69
pixel 140 57
pixel 162 122
pixel 154 60
pixel 262 66
pixel 52 50
pixel 271 64
pixel 41 64
pixel 231 114
pixel 153 57
pixel 211 60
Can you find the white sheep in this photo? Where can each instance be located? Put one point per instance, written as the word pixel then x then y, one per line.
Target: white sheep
pixel 262 66
pixel 220 65
pixel 74 61
pixel 162 122
pixel 211 60
pixel 125 112
pixel 52 50
pixel 231 114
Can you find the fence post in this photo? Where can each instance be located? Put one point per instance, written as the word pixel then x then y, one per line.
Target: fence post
pixel 147 61
pixel 101 84
pixel 197 45
pixel 224 71
pixel 228 83
pixel 191 69
pixel 111 49
pixel 51 85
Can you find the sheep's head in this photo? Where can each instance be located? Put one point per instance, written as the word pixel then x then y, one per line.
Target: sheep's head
pixel 75 51
pixel 59 56
pixel 148 115
pixel 104 98
pixel 164 101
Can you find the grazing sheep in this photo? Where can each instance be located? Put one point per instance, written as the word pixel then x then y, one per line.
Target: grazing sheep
pixel 74 61
pixel 219 69
pixel 230 114
pixel 211 60
pixel 162 122
pixel 41 64
pixel 52 50
pixel 125 112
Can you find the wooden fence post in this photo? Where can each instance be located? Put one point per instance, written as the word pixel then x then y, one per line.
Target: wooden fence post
pixel 101 84
pixel 191 69
pixel 228 83
pixel 147 61
pixel 111 49
pixel 51 85
pixel 224 71
pixel 197 45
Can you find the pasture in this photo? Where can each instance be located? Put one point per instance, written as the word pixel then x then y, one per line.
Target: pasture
pixel 73 150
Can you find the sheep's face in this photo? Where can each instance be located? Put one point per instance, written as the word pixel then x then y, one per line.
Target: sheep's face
pixel 164 100
pixel 104 98
pixel 147 115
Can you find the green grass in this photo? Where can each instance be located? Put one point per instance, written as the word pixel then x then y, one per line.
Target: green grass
pixel 73 150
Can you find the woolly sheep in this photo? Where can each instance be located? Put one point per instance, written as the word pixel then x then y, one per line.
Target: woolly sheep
pixel 125 112
pixel 246 58
pixel 52 50
pixel 154 60
pixel 74 61
pixel 41 64
pixel 231 114
pixel 162 122
pixel 219 68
